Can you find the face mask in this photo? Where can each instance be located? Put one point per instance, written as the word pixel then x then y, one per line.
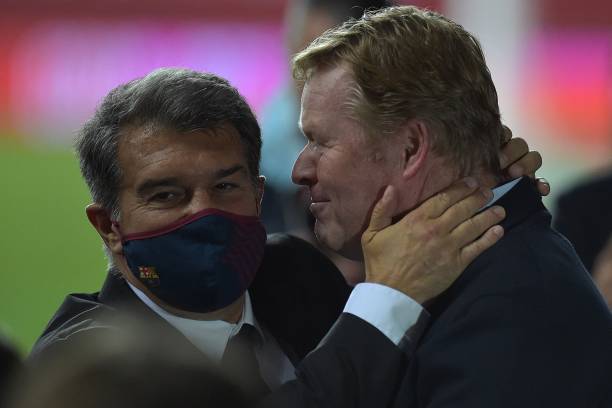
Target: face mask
pixel 198 264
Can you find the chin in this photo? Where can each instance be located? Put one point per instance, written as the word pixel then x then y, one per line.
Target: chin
pixel 326 237
pixel 352 251
pixel 334 239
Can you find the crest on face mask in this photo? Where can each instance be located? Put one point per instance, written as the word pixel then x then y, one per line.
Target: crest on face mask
pixel 149 275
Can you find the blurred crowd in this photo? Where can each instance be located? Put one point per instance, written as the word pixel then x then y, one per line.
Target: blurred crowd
pixel 156 370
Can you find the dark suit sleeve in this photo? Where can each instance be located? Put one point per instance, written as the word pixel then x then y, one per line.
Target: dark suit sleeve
pixel 515 351
pixel 354 366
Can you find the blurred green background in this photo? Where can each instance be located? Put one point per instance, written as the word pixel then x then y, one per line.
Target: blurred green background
pixel 47 247
pixel 549 59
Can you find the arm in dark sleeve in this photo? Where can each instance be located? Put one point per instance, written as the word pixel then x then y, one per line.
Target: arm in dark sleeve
pixel 511 351
pixel 354 366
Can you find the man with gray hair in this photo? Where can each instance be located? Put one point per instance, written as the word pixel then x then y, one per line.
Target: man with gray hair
pixel 172 163
pixel 401 101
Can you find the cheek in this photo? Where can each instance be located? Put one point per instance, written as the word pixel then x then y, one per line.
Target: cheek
pixel 361 197
pixel 356 200
pixel 353 183
pixel 245 203
pixel 340 171
pixel 140 220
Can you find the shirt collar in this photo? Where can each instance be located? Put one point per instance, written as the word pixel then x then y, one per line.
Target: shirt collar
pixel 209 336
pixel 500 191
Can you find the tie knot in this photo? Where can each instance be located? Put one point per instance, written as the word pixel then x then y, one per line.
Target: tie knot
pixel 240 361
pixel 248 334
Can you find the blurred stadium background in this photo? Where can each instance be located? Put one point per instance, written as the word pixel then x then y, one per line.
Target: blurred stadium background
pixel 550 59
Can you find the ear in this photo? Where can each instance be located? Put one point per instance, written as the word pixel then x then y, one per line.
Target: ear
pixel 100 219
pixel 416 141
pixel 259 192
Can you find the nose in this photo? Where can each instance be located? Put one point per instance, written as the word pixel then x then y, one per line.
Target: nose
pixel 200 200
pixel 305 168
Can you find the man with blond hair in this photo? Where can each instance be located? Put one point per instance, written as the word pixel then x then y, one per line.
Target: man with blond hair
pixel 400 104
pixel 172 164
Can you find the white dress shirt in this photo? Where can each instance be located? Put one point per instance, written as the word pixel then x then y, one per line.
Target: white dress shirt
pixel 211 338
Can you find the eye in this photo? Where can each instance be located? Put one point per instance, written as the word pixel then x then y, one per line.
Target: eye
pixel 226 186
pixel 165 196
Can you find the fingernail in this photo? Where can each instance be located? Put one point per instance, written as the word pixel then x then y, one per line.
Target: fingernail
pixel 487 193
pixel 498 230
pixel 499 211
pixel 543 180
pixel 470 182
pixel 387 194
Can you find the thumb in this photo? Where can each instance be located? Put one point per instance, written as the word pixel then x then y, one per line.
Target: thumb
pixel 383 211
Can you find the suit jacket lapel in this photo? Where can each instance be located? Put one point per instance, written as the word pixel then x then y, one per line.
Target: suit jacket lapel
pixel 117 294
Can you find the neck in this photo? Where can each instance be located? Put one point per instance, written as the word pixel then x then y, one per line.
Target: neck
pixel 435 177
pixel 486 179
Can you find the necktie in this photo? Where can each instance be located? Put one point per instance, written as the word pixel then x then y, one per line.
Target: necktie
pixel 240 362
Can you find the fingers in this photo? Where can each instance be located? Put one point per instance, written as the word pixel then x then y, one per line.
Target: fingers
pixel 474 227
pixel 543 186
pixel 512 151
pixel 488 239
pixel 465 209
pixel 383 210
pixel 506 135
pixel 435 206
pixel 526 166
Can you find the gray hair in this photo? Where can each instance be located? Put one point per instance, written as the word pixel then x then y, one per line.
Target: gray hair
pixel 171 98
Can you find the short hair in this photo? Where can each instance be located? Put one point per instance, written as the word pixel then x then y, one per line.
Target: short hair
pixel 410 63
pixel 342 10
pixel 168 98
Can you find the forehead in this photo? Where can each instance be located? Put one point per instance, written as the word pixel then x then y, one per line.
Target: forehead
pixel 325 96
pixel 147 149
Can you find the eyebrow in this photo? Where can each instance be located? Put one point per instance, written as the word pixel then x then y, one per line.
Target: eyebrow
pixel 229 171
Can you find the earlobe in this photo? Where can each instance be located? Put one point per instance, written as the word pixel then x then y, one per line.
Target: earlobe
pixel 100 219
pixel 417 143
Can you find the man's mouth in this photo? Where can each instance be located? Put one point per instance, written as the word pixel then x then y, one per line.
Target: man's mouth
pixel 317 206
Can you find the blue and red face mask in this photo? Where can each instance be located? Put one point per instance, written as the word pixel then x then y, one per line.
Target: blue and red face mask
pixel 201 263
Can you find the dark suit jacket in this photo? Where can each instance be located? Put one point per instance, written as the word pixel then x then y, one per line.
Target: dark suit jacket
pixel 297 295
pixel 10 363
pixel 524 326
pixel 584 216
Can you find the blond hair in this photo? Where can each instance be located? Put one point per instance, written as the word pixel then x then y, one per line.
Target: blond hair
pixel 409 63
